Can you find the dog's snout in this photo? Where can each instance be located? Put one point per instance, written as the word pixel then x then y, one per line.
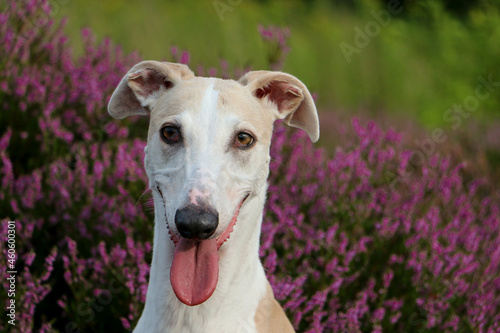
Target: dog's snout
pixel 194 222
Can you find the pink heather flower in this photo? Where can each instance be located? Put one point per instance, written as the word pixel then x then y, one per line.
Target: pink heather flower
pixel 14 206
pixel 28 259
pixel 266 33
pixel 393 304
pixel 212 72
pixel 394 318
pixel 185 57
pixel 5 139
pixel 62 303
pixel 174 50
pixel 379 314
pixel 388 276
pixel 125 323
pixel 405 157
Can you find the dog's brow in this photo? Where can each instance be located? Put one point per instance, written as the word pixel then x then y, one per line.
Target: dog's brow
pixel 240 124
pixel 174 120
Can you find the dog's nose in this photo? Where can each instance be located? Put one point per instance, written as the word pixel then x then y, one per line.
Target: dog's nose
pixel 195 222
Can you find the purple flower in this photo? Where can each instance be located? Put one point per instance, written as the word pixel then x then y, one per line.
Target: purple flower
pixel 366 239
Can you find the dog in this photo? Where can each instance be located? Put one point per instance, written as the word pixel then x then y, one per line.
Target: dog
pixel 207 160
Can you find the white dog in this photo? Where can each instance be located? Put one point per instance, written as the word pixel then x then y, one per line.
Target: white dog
pixel 207 159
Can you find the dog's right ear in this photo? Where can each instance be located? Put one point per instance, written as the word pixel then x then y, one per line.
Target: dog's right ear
pixel 140 88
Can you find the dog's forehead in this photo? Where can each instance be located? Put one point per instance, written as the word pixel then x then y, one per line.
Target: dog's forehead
pixel 213 100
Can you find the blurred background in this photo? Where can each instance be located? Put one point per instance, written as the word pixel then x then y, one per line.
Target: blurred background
pixel 415 61
pixel 416 65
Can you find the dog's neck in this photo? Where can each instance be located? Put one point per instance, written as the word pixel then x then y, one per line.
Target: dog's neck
pixel 242 282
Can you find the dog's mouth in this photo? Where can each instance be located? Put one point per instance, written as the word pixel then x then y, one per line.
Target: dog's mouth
pixel 195 265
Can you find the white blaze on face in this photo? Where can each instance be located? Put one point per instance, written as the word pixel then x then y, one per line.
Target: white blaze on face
pixel 202 185
pixel 195 264
pixel 209 103
pixel 201 191
pixel 207 123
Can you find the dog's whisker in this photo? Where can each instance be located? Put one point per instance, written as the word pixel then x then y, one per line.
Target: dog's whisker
pixel 143 193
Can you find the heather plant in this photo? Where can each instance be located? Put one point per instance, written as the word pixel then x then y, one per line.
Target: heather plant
pixel 390 72
pixel 277 45
pixel 373 238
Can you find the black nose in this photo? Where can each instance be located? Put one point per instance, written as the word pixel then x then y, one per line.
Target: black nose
pixel 194 222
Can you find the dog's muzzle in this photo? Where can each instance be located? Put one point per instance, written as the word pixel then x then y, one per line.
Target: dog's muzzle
pixel 195 265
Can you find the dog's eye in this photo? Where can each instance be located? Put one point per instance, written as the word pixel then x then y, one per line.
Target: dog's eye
pixel 170 134
pixel 243 140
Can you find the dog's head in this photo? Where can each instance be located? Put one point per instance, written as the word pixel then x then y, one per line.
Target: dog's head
pixel 207 152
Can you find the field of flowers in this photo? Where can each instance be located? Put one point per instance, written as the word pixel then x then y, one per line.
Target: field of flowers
pixel 373 237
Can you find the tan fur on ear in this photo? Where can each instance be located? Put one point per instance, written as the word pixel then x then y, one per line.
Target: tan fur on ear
pixel 291 97
pixel 142 81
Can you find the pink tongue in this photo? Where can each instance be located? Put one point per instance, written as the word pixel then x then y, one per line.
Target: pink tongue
pixel 195 270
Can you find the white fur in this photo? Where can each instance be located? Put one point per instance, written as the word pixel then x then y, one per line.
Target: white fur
pixel 194 171
pixel 208 166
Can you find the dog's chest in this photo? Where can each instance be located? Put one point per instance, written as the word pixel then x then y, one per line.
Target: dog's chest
pixel 222 320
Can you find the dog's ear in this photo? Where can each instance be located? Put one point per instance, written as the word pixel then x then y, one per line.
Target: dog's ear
pixel 140 88
pixel 287 96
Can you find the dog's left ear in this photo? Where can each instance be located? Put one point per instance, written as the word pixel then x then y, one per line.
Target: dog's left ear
pixel 140 88
pixel 288 98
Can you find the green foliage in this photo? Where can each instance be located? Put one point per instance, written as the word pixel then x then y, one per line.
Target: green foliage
pixel 425 60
